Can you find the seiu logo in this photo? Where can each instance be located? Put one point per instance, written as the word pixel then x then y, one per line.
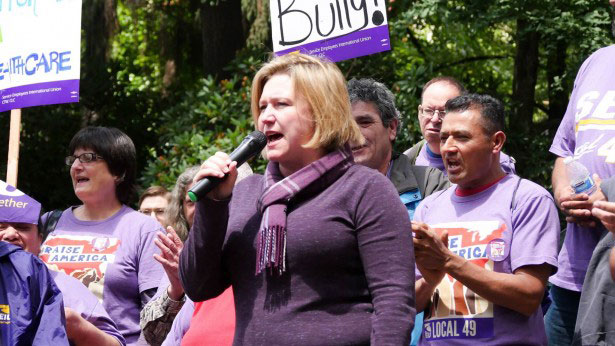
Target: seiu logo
pixel 593 104
pixel 5 314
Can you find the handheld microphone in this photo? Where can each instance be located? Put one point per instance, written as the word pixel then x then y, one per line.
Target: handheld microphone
pixel 249 147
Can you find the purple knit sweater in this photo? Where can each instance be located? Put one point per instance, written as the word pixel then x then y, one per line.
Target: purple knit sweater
pixel 350 264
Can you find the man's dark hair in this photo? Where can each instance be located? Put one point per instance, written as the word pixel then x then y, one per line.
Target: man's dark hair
pixel 118 151
pixel 445 79
pixel 490 108
pixel 370 91
pixel 51 220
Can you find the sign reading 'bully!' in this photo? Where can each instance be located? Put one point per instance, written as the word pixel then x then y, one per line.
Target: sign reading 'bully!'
pixel 333 29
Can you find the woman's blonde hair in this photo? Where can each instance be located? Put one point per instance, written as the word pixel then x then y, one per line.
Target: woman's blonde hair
pixel 323 87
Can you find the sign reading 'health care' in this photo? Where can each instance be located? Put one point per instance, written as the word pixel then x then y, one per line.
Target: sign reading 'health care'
pixel 39 52
pixel 334 29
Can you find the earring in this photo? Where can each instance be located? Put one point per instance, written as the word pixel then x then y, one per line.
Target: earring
pixel 120 179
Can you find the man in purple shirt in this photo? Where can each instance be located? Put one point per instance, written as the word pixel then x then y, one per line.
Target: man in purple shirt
pixel 587 133
pixel 431 112
pixel 486 246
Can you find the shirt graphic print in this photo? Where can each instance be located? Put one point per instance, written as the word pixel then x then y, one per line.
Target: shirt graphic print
pixel 456 311
pixel 85 258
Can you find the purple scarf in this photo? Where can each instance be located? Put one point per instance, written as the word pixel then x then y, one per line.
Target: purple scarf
pixel 279 191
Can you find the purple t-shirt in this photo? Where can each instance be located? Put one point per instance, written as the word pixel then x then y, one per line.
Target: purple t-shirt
pixel 427 158
pixel 482 229
pixel 113 258
pixel 77 297
pixel 587 131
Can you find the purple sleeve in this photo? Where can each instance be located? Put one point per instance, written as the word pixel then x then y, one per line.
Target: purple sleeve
pixel 535 231
pixel 200 263
pixel 564 142
pixel 78 298
pixel 162 286
pixel 419 213
pixel 149 270
pixel 385 245
pixel 101 320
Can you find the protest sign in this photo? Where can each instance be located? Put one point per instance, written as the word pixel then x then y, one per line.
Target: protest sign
pixel 335 29
pixel 39 52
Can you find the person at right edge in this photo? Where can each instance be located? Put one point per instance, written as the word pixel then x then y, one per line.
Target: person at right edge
pixel 595 323
pixel 318 250
pixel 586 132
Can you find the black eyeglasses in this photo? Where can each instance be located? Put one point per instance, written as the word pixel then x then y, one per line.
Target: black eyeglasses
pixel 429 113
pixel 83 158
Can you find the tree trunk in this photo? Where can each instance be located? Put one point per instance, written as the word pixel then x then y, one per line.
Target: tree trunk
pixel 222 34
pixel 169 47
pixel 558 95
pixel 99 23
pixel 180 41
pixel 525 74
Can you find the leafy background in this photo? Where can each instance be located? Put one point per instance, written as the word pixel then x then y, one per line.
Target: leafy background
pixel 175 76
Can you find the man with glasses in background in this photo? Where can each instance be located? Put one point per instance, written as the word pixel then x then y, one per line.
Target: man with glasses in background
pixel 154 201
pixel 431 112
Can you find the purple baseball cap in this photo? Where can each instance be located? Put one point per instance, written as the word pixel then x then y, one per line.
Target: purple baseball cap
pixel 16 206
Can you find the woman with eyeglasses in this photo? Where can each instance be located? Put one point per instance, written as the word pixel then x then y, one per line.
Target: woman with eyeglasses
pixel 318 250
pixel 104 243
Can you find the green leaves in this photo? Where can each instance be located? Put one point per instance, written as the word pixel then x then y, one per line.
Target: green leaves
pixel 212 116
pixel 155 90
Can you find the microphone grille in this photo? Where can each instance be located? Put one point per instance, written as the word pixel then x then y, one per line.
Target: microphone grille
pixel 259 138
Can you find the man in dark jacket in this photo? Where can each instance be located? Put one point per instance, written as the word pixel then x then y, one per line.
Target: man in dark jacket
pixel 373 108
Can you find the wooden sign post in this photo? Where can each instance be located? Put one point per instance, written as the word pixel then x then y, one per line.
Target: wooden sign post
pixel 13 160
